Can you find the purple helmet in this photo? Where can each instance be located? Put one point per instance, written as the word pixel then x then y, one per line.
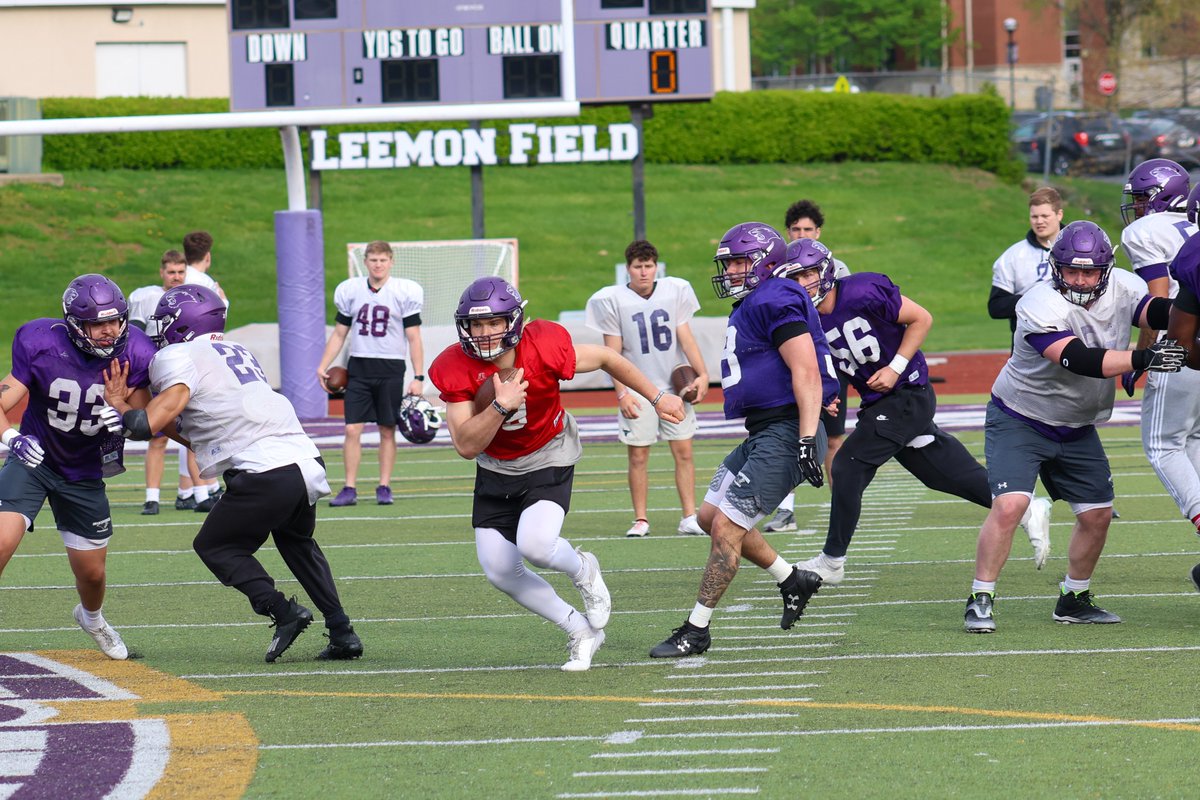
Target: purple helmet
pixel 1082 245
pixel 1154 185
pixel 806 254
pixel 756 241
pixel 185 312
pixel 95 298
pixel 487 298
pixel 1193 205
pixel 417 419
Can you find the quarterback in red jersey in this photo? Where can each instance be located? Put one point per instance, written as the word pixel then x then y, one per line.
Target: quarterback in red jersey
pixel 525 446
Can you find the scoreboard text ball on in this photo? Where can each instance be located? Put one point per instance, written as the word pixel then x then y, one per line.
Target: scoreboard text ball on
pixel 363 53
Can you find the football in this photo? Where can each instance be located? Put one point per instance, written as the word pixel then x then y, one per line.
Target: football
pixel 337 380
pixel 681 378
pixel 487 393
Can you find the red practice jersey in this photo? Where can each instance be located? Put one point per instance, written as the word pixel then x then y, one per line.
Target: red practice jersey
pixel 547 355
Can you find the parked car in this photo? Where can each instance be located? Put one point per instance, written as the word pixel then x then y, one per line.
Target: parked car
pixel 1159 137
pixel 1079 142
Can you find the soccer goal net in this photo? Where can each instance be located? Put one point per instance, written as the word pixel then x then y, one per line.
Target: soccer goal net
pixel 444 269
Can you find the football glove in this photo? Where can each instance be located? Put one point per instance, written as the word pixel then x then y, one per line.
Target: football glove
pixel 110 418
pixel 1129 381
pixel 1163 356
pixel 810 467
pixel 27 449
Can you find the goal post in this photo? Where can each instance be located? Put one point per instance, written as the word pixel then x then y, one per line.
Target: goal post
pixel 444 268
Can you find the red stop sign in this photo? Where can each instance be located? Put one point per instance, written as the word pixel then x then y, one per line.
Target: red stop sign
pixel 1106 83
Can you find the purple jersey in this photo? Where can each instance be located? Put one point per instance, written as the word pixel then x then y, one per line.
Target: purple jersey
pixel 863 333
pixel 1185 268
pixel 753 374
pixel 66 393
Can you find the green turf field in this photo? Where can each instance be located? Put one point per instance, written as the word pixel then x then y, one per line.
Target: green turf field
pixel 876 692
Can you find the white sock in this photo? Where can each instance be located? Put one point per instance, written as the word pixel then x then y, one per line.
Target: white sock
pixel 200 493
pixel 151 495
pixel 789 503
pixel 214 486
pixel 780 570
pixel 184 494
pixel 983 586
pixel 700 615
pixel 94 619
pixel 833 562
pixel 574 622
pixel 1069 584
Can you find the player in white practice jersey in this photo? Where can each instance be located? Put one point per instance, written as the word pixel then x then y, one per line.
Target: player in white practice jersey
pixel 1026 263
pixel 646 320
pixel 238 425
pixel 382 316
pixel 1071 340
pixel 142 303
pixel 1156 228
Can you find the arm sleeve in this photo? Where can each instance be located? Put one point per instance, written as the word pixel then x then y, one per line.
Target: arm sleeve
pixel 789 330
pixel 1158 315
pixel 1077 357
pixel 1002 304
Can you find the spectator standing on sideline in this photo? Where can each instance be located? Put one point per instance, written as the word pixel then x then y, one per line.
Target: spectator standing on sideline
pixel 804 220
pixel 273 472
pixel 69 439
pixel 525 447
pixel 384 315
pixel 142 303
pixel 1071 340
pixel 647 321
pixel 1026 263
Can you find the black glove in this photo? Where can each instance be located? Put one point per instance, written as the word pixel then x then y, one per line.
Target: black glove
pixel 1162 356
pixel 810 467
pixel 1129 381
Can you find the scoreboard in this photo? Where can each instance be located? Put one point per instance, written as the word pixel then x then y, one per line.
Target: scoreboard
pixel 297 54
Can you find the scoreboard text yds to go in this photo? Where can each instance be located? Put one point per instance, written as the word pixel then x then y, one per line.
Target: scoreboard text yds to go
pixel 370 53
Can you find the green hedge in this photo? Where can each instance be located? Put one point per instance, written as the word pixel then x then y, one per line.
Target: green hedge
pixel 735 128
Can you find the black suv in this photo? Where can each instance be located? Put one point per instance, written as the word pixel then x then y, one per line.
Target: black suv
pixel 1080 141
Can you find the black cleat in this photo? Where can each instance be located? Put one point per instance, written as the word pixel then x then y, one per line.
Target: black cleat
pixel 184 503
pixel 215 494
pixel 1196 577
pixel 287 628
pixel 342 648
pixel 150 508
pixel 205 506
pixel 686 640
pixel 1081 609
pixel 797 590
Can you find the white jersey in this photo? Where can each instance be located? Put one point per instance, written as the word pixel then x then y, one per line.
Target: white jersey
pixel 647 325
pixel 199 278
pixel 376 318
pixel 233 418
pixel 1152 241
pixel 1043 390
pixel 840 270
pixel 142 303
pixel 1022 266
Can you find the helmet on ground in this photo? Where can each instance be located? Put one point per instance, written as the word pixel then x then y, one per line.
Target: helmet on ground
pixel 756 241
pixel 1193 205
pixel 417 419
pixel 94 298
pixel 1081 245
pixel 809 254
pixel 1154 185
pixel 186 312
pixel 490 298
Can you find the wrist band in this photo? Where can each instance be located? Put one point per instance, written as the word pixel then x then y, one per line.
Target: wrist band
pixel 501 410
pixel 8 436
pixel 420 378
pixel 621 394
pixel 658 397
pixel 899 363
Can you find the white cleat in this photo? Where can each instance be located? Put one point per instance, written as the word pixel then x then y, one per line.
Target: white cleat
pixel 830 576
pixel 638 529
pixel 690 527
pixel 1036 523
pixel 582 645
pixel 107 639
pixel 597 604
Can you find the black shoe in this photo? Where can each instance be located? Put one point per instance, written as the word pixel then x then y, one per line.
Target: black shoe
pixel 1196 577
pixel 150 508
pixel 205 506
pixel 184 503
pixel 287 628
pixel 342 648
pixel 686 640
pixel 216 493
pixel 797 590
pixel 1081 609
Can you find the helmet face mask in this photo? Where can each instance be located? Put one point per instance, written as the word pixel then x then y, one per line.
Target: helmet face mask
pixel 1082 245
pixel 1155 185
pixel 187 312
pixel 490 299
pixel 756 242
pixel 809 255
pixel 92 299
pixel 417 419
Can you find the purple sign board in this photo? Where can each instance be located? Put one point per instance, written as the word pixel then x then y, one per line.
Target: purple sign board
pixel 290 54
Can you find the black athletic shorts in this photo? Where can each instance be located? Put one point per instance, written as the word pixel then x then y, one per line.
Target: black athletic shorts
pixel 500 499
pixel 373 397
pixel 836 426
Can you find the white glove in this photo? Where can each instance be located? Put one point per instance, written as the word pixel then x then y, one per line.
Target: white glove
pixel 110 418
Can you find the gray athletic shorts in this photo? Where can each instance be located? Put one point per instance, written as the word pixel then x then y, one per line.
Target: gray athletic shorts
pixel 79 507
pixel 1017 455
pixel 760 472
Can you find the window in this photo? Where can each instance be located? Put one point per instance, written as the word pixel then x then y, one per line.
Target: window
pixel 316 9
pixel 281 85
pixel 678 6
pixel 247 14
pixel 409 81
pixel 141 69
pixel 532 77
pixel 607 4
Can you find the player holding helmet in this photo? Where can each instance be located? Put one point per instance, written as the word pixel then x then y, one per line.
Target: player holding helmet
pixel 70 440
pixel 1071 339
pixel 771 375
pixel 238 425
pixel 525 447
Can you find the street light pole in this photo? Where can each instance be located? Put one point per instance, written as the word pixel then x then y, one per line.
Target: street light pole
pixel 1010 25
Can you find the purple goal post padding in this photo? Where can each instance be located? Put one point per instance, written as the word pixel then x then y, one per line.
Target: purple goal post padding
pixel 300 279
